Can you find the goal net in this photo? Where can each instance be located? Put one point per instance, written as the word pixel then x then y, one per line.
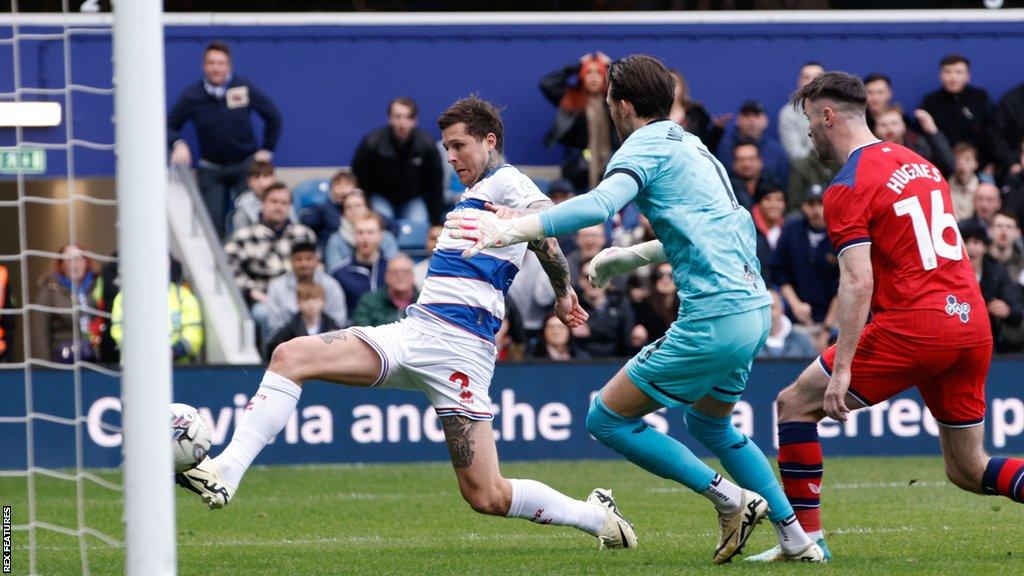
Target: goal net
pixel 60 252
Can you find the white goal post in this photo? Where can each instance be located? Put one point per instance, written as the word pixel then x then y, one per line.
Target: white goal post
pixel 139 110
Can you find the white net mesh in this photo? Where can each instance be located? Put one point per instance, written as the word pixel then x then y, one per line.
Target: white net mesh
pixel 57 505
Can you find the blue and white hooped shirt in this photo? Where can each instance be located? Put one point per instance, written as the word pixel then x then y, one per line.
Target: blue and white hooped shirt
pixel 469 293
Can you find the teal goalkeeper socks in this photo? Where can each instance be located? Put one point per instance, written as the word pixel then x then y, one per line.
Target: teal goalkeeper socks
pixel 741 458
pixel 646 447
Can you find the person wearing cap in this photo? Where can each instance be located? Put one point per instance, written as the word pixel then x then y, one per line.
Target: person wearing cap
pixel 804 265
pixel 751 127
pixel 793 124
pixel 1002 295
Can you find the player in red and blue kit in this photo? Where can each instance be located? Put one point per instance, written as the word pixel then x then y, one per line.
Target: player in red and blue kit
pixel 890 218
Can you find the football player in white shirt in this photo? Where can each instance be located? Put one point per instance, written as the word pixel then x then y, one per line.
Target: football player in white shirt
pixel 445 348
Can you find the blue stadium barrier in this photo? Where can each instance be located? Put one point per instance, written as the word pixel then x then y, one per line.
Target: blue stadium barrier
pixel 332 82
pixel 541 414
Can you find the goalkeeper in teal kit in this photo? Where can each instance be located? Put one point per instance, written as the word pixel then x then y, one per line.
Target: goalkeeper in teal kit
pixel 703 361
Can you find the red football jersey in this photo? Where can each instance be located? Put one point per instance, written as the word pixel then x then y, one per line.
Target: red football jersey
pixel 925 287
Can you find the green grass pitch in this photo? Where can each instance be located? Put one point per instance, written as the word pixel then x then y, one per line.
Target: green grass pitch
pixel 883 516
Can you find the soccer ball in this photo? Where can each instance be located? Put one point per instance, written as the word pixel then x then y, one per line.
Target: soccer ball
pixel 190 437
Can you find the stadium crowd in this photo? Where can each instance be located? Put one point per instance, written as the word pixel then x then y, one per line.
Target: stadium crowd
pixel 359 256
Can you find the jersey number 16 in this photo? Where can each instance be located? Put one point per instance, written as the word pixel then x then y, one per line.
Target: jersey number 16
pixel 930 240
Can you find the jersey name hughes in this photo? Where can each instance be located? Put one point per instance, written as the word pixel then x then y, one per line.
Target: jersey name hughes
pixel 908 172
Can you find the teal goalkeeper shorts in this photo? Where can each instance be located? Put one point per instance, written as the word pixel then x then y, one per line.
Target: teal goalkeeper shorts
pixel 701 357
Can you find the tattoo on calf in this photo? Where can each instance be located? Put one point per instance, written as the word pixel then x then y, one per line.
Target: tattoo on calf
pixel 330 337
pixel 457 430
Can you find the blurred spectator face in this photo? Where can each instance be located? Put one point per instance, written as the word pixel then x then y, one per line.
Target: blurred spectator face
pixel 258 183
pixel 401 121
pixel 987 201
pixel 341 189
pixel 975 248
pixel 746 162
pixel 663 281
pixel 74 265
pixel 432 236
pixel 879 96
pixel 311 307
pixel 592 77
pixel 276 204
pixel 216 67
pixel 467 154
pixel 807 73
pixel 1004 231
pixel 814 212
pixel 773 206
pixel 966 163
pixel 751 125
pixel 304 265
pixel 954 77
pixel 556 333
pixel 399 275
pixel 354 207
pixel 889 125
pixel 590 240
pixel 367 237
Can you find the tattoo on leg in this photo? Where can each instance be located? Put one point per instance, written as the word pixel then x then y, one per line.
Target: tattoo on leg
pixel 330 337
pixel 456 431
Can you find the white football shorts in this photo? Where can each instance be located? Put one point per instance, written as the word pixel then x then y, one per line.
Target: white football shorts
pixel 451 367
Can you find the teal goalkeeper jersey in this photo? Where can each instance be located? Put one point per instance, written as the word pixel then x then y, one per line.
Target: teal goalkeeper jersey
pixel 709 239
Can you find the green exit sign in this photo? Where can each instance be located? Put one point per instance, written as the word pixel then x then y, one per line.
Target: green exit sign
pixel 22 160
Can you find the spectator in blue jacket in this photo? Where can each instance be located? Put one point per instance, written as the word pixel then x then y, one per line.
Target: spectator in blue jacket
pixel 751 128
pixel 804 265
pixel 364 271
pixel 220 106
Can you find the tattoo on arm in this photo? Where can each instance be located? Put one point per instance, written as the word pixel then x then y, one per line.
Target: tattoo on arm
pixel 550 253
pixel 330 337
pixel 457 430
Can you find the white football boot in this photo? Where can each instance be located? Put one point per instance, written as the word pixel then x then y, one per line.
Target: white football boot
pixel 812 553
pixel 205 480
pixel 617 532
pixel 738 526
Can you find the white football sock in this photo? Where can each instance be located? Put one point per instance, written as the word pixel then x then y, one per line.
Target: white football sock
pixel 266 414
pixel 539 503
pixel 792 537
pixel 816 535
pixel 725 495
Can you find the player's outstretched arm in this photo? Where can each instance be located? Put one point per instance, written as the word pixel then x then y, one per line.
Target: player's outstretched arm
pixel 856 284
pixel 486 230
pixel 552 261
pixel 616 261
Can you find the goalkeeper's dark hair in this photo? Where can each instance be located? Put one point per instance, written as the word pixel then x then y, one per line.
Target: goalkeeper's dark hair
pixel 480 117
pixel 644 82
pixel 845 90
